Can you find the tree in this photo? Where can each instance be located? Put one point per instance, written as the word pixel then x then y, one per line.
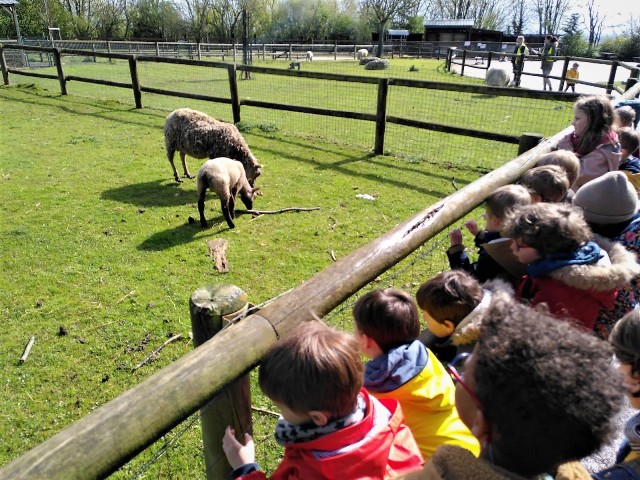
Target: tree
pixel 595 22
pixel 550 14
pixel 382 12
pixel 519 17
pixel 573 43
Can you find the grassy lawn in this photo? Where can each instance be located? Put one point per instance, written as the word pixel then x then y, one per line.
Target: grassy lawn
pixel 100 259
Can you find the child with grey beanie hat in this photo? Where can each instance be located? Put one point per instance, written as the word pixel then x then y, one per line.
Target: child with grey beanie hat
pixel 610 207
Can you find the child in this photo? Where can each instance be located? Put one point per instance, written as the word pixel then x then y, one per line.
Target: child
pixel 572 76
pixel 569 163
pixel 609 204
pixel 386 327
pixel 593 140
pixel 630 163
pixel 626 116
pixel 452 305
pixel 330 427
pixel 536 392
pixel 567 271
pixel 497 205
pixel 548 183
pixel 625 339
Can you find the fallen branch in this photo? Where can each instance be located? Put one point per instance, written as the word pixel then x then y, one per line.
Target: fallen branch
pixel 453 182
pixel 263 410
pixel 156 351
pixel 126 296
pixel 333 256
pixel 27 349
pixel 282 210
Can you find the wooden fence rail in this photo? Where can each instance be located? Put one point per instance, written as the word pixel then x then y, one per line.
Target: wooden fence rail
pixel 380 118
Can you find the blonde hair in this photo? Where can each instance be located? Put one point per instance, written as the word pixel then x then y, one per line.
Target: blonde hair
pixel 550 182
pixel 505 199
pixel 566 159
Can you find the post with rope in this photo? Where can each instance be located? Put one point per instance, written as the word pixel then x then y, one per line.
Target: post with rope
pixel 212 308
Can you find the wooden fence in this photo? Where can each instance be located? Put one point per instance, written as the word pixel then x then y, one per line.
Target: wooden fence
pixel 380 118
pixel 108 437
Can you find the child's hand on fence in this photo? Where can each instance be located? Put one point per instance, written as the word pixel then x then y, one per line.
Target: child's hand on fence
pixel 455 237
pixel 472 226
pixel 237 453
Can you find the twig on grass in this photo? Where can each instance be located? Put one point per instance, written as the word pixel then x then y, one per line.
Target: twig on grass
pixel 126 296
pixel 27 349
pixel 282 210
pixel 333 256
pixel 156 351
pixel 453 182
pixel 264 410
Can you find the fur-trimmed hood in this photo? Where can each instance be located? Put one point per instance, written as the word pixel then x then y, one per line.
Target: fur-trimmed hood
pixel 602 276
pixel 468 330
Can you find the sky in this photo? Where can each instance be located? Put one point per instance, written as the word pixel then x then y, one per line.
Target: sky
pixel 617 14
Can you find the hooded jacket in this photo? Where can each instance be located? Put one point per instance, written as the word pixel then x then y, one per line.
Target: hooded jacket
pixel 579 292
pixel 604 158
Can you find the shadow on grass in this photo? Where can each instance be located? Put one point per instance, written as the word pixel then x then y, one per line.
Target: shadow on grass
pixel 156 193
pixel 185 233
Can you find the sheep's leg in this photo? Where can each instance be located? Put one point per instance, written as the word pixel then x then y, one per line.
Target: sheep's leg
pixel 203 221
pixel 183 157
pixel 225 212
pixel 232 206
pixel 170 154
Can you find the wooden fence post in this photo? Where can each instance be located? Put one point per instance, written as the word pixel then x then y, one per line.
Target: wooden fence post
pixel 528 141
pixel 633 78
pixel 233 89
pixel 381 115
pixel 464 59
pixel 3 66
pixel 135 83
pixel 565 67
pixel 612 77
pixel 61 79
pixel 211 308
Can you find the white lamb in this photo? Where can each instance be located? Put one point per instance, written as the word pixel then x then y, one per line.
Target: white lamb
pixel 498 75
pixel 226 177
pixel 362 53
pixel 198 135
pixel 309 56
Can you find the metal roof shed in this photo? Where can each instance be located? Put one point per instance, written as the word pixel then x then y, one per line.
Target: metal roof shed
pixel 9 6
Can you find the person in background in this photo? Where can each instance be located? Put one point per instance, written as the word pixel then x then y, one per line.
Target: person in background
pixel 330 427
pixel 549 49
pixel 548 183
pixel 387 325
pixel 572 75
pixel 630 163
pixel 521 51
pixel 569 163
pixel 626 116
pixel 538 394
pixel 594 139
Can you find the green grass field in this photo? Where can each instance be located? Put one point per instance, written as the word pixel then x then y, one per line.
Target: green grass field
pixel 97 239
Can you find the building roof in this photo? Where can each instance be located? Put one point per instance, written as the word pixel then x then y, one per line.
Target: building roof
pixel 398 33
pixel 448 23
pixel 8 3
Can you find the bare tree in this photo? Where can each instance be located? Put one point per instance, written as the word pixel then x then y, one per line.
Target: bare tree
pixel 550 14
pixel 519 17
pixel 594 23
pixel 383 11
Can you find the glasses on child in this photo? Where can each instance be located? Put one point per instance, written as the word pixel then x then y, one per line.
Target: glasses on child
pixel 454 368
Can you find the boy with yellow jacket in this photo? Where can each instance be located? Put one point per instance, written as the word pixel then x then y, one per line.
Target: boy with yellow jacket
pixel 387 325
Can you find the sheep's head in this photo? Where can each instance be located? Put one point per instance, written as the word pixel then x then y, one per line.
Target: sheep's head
pixel 253 173
pixel 249 195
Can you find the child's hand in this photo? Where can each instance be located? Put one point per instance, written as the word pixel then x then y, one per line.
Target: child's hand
pixel 472 226
pixel 237 453
pixel 455 236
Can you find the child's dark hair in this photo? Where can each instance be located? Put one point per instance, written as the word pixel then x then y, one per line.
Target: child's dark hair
pixel 389 317
pixel 450 296
pixel 625 340
pixel 550 182
pixel 629 139
pixel 548 227
pixel 548 391
pixel 626 115
pixel 315 367
pixel 600 118
pixel 565 159
pixel 505 199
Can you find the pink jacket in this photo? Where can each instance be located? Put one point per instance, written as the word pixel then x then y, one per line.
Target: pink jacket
pixel 605 158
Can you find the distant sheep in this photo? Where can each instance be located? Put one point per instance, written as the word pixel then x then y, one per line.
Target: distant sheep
pixel 365 60
pixel 498 76
pixel 198 135
pixel 227 178
pixel 362 53
pixel 377 64
pixel 309 56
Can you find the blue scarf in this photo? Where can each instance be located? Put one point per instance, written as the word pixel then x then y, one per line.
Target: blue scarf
pixel 586 254
pixel 396 367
